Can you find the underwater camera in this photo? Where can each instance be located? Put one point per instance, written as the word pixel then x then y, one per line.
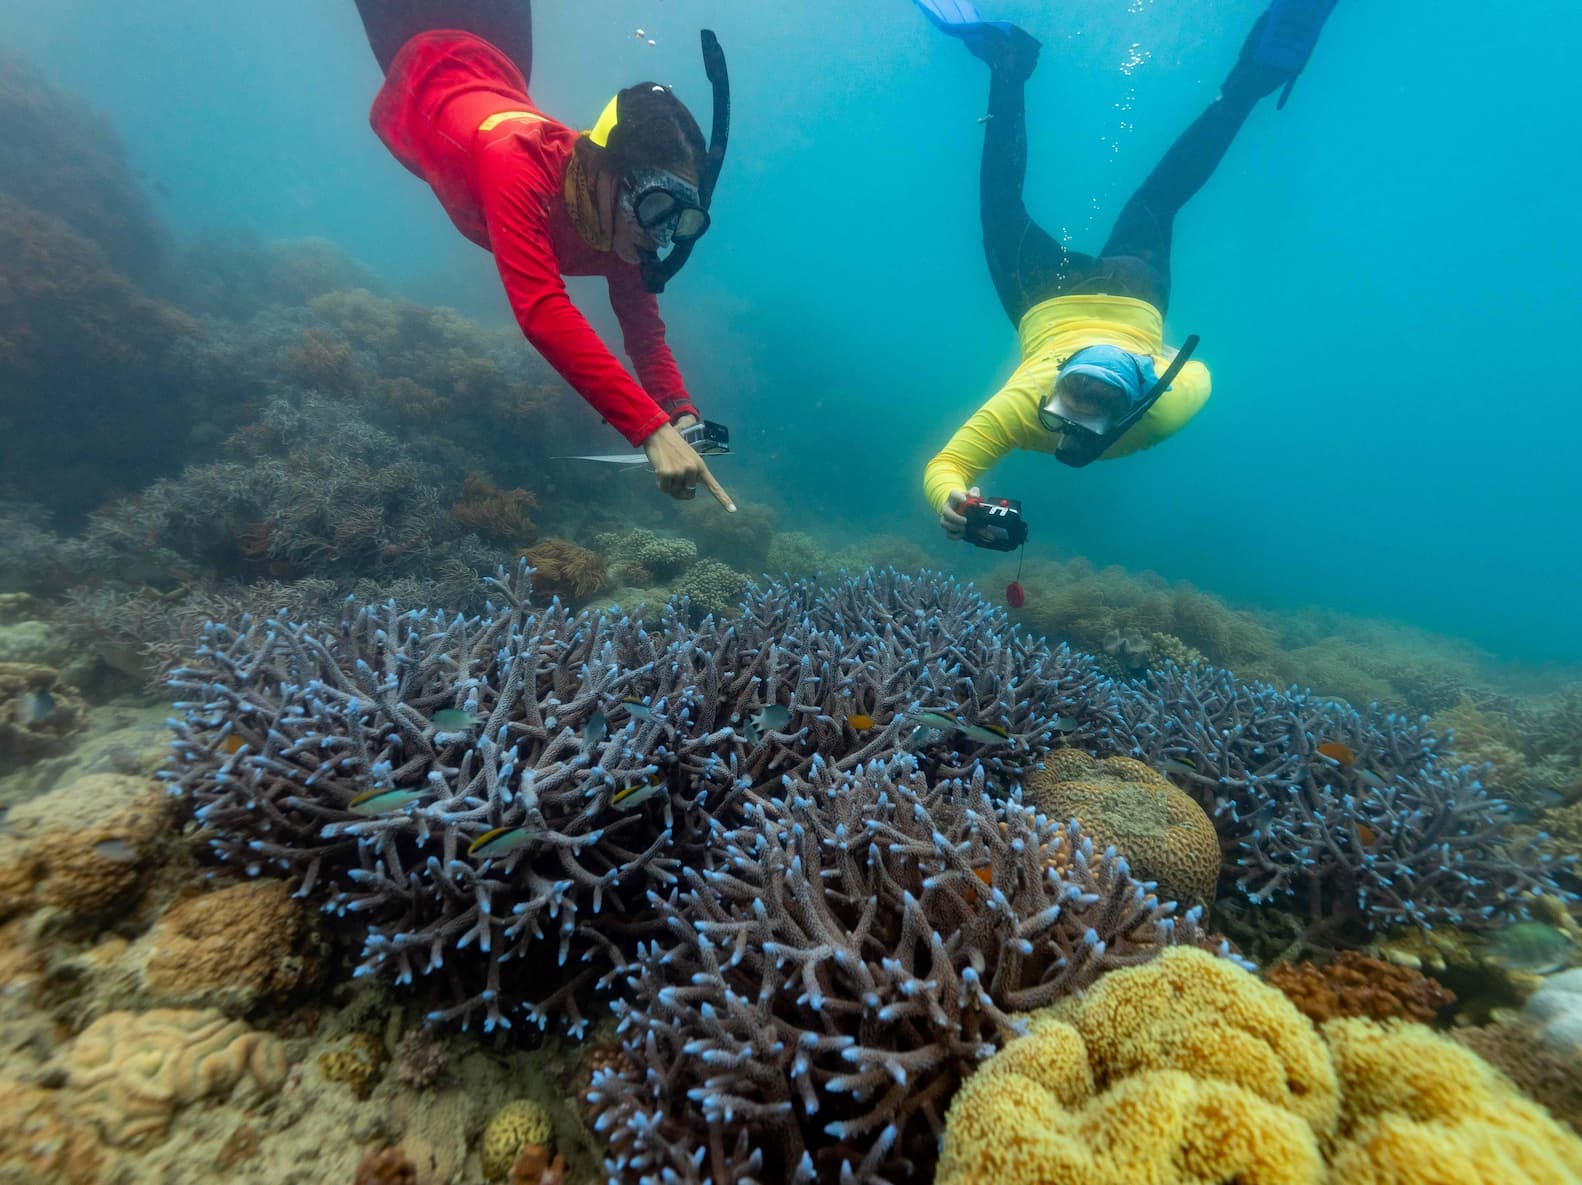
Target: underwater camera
pixel 994 523
pixel 708 438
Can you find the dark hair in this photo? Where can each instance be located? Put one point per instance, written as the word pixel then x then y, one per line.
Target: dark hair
pixel 654 130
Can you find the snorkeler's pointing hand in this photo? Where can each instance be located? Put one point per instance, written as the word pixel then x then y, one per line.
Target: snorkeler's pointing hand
pixel 679 469
pixel 951 518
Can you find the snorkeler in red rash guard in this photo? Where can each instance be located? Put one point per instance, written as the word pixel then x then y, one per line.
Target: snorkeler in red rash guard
pixel 551 202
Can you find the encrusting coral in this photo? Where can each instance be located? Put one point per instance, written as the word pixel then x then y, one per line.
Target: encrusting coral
pixel 385 1166
pixel 1161 831
pixel 254 940
pixel 129 1073
pixel 42 1142
pixel 1355 985
pixel 1188 1071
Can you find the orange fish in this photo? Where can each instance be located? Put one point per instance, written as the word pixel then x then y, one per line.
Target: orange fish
pixel 1340 754
pixel 984 874
pixel 860 721
pixel 1367 834
pixel 231 743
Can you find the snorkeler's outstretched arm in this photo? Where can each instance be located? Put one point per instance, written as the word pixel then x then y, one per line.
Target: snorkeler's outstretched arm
pixel 515 211
pixel 995 429
pixel 643 335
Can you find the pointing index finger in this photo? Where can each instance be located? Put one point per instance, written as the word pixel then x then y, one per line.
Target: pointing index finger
pixel 718 491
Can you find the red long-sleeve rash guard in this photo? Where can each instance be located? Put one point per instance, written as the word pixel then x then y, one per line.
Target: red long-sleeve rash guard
pixel 504 187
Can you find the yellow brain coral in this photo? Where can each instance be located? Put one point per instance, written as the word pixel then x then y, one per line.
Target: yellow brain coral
pixel 1164 835
pixel 513 1127
pixel 1189 1071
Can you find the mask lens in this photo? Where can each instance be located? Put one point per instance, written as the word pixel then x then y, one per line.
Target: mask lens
pixel 654 207
pixel 692 223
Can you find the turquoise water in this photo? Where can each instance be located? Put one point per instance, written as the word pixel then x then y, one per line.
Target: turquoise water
pixel 1383 274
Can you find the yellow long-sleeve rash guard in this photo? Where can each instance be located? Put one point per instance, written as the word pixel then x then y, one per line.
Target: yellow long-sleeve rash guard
pixel 1051 332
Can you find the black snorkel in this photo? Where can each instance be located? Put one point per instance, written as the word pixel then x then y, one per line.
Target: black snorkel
pixel 1081 446
pixel 658 272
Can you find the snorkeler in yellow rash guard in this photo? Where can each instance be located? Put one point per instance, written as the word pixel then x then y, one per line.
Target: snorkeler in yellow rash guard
pixel 1096 379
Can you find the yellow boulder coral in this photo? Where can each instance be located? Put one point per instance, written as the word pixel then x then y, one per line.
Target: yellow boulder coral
pixel 1162 832
pixel 1419 1108
pixel 1189 1071
pixel 254 938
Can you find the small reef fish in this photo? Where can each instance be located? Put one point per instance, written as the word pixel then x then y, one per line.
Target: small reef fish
pixel 1178 765
pixel 594 732
pixel 501 841
pixel 860 721
pixel 630 797
pixel 638 709
pixel 1534 947
pixel 232 744
pixel 1367 835
pixel 35 707
pixel 375 802
pixel 1065 724
pixel 1368 778
pixel 117 851
pixel 984 874
pixel 982 119
pixel 767 719
pixel 1340 754
pixel 937 718
pixel 454 719
pixel 986 734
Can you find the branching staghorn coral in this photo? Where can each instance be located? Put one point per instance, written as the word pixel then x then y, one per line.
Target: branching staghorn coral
pixel 1394 835
pixel 855 948
pixel 286 724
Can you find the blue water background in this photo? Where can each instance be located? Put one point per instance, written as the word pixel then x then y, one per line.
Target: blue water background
pixel 1385 274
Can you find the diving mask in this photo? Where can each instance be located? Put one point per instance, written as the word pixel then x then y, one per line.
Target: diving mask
pixel 665 207
pixel 1085 436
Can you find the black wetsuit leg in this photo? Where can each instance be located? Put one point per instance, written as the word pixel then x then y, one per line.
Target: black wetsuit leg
pixel 1026 263
pixel 1139 247
pixel 505 24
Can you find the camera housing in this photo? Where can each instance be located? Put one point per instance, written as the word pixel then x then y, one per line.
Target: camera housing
pixel 994 523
